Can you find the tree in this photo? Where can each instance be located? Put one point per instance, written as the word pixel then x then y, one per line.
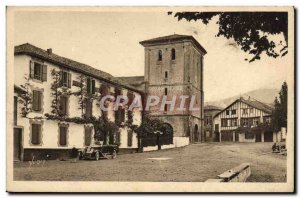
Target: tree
pixel 279 115
pixel 250 30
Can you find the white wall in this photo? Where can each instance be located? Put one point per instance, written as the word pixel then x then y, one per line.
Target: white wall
pixel 50 128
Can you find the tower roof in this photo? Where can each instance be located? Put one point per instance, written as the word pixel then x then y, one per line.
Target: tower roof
pixel 173 38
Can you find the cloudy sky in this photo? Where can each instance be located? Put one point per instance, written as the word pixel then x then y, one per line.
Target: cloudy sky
pixel 109 41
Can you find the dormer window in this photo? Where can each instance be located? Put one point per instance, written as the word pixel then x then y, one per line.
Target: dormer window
pixel 159 58
pixel 173 54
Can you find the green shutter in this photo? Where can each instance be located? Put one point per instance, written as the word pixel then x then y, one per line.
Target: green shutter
pixel 129 138
pixel 88 85
pixel 69 80
pixel 63 135
pixel 39 100
pixel 93 86
pixel 35 133
pixel 35 101
pixel 31 69
pixel 44 71
pixel 87 136
pixel 61 78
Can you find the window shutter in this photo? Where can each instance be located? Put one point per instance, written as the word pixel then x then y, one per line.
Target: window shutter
pixel 129 138
pixel 93 86
pixel 35 135
pixel 39 100
pixel 63 105
pixel 63 136
pixel 87 136
pixel 31 69
pixel 35 101
pixel 69 80
pixel 61 78
pixel 88 85
pixel 44 70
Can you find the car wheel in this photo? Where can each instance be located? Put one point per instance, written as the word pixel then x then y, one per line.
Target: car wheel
pixel 80 156
pixel 97 156
pixel 114 154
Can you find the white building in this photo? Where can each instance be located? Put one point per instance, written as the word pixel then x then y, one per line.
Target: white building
pixel 36 134
pixel 235 121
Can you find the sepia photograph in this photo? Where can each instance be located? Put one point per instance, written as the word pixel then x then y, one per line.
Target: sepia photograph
pixel 150 99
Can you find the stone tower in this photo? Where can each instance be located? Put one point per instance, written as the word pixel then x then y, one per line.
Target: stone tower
pixel 174 68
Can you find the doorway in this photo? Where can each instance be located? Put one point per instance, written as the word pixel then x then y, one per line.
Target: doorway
pixel 18 135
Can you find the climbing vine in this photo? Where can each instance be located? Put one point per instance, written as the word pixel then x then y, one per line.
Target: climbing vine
pixel 26 98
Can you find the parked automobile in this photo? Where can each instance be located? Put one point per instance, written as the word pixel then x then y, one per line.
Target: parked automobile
pixel 98 151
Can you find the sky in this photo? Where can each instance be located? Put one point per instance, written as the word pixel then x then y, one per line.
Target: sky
pixel 109 41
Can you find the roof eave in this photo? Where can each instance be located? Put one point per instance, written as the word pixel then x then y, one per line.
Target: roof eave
pixel 77 70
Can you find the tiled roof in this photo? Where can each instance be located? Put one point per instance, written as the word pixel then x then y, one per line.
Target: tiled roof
pixel 253 103
pixel 172 38
pixel 34 51
pixel 258 105
pixel 135 81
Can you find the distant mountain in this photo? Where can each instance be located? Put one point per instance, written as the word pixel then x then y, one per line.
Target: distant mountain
pixel 263 95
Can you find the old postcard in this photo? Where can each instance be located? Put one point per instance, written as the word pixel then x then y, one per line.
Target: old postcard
pixel 150 99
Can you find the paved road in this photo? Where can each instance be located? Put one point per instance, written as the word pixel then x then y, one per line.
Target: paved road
pixel 197 162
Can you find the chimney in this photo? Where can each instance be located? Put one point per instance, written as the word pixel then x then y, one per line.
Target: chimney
pixel 249 98
pixel 49 51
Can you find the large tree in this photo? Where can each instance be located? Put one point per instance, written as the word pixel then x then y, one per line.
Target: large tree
pixel 250 30
pixel 279 116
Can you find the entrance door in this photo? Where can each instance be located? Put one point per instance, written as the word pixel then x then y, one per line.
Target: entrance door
pixel 258 137
pixel 17 143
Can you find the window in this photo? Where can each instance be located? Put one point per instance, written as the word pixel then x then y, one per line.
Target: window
pixel 227 112
pixel 37 100
pixel 87 136
pixel 166 108
pixel 229 122
pixel 233 112
pixel 90 86
pixel 129 138
pixel 63 129
pixel 63 105
pixel 88 108
pixel 173 54
pixel 245 111
pixel 65 79
pixel 38 71
pixel 166 74
pixel 251 110
pixel 207 121
pixel 166 91
pixel 267 120
pixel 120 115
pixel 234 122
pixel 224 122
pixel 159 58
pixel 36 134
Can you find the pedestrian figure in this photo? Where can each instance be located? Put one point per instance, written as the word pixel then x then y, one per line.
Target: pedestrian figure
pixel 74 154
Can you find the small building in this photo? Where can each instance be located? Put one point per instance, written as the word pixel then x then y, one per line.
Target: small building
pixel 245 121
pixel 209 112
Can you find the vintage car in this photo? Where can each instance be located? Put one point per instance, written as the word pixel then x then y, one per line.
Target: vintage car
pixel 98 151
